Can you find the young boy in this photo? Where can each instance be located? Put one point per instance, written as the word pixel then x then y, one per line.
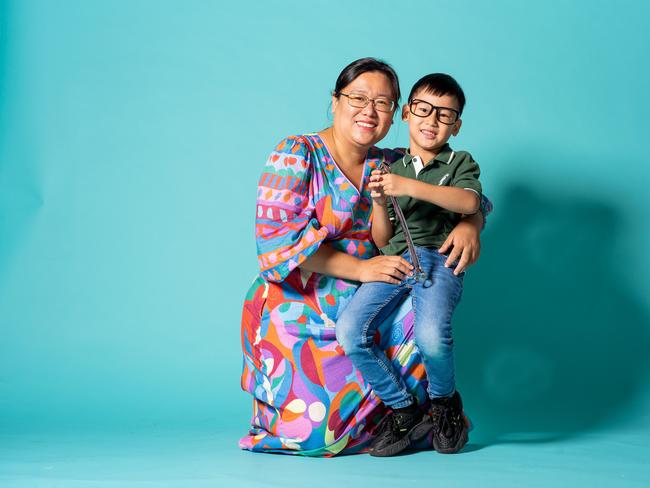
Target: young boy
pixel 434 186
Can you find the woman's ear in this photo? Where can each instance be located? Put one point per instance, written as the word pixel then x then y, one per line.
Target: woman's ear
pixel 405 112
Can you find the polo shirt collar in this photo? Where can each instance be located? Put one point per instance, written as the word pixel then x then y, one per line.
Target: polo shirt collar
pixel 445 156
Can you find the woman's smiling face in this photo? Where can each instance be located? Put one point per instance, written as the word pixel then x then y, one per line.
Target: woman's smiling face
pixel 363 126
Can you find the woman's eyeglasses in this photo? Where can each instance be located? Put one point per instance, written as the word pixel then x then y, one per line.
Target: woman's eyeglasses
pixel 360 101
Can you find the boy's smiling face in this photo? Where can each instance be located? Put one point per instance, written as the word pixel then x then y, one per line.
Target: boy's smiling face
pixel 427 134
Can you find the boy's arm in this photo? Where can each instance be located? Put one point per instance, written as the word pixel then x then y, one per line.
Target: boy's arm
pixel 454 199
pixel 382 227
pixel 463 195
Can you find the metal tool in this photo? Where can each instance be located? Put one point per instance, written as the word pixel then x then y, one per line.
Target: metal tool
pixel 420 275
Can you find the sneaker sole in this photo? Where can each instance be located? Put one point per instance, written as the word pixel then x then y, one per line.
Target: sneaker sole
pixel 418 432
pixel 421 430
pixel 393 449
pixel 462 440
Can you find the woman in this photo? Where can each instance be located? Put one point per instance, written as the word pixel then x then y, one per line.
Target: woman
pixel 314 247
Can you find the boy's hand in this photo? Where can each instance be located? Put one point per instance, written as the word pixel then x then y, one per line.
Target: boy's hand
pixel 376 191
pixel 395 185
pixel 464 241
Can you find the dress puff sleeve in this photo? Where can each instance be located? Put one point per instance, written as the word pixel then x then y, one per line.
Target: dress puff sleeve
pixel 286 229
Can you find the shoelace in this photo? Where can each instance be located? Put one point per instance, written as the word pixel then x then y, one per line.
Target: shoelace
pixel 436 414
pixel 400 423
pixel 444 419
pixel 419 274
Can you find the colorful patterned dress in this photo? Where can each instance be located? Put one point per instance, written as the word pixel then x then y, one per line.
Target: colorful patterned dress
pixel 308 398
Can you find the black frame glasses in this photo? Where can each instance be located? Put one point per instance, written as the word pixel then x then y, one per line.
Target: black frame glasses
pixel 444 115
pixel 357 100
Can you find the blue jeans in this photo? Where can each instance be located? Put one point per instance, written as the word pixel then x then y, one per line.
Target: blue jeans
pixel 433 305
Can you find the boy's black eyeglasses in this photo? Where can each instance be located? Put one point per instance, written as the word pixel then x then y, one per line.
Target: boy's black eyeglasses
pixel 445 115
pixel 359 101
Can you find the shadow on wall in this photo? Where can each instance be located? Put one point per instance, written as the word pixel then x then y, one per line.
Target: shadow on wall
pixel 548 342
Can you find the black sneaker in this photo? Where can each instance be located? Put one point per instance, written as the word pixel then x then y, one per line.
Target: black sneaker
pixel 449 427
pixel 397 429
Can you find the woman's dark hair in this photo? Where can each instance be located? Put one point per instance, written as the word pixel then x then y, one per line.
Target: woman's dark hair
pixel 365 65
pixel 440 84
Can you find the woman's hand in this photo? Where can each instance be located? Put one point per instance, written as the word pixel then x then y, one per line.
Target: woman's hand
pixel 391 269
pixel 464 242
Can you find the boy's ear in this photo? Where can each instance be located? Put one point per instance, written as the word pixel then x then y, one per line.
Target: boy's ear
pixel 457 125
pixel 405 112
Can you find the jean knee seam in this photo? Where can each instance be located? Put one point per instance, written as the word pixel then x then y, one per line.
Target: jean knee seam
pixel 366 325
pixel 390 372
pixel 415 315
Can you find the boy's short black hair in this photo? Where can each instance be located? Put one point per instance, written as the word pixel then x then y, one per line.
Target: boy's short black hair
pixel 439 84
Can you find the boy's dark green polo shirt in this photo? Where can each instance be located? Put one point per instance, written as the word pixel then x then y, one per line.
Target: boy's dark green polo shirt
pixel 430 224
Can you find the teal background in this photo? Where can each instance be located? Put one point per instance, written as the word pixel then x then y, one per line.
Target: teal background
pixel 132 134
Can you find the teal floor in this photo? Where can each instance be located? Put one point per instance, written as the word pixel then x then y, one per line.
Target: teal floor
pixel 202 458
